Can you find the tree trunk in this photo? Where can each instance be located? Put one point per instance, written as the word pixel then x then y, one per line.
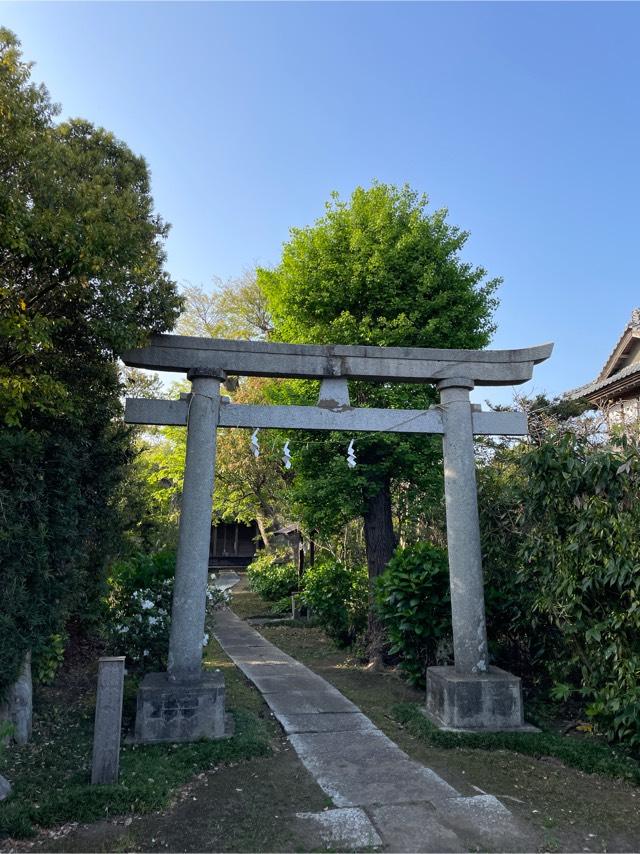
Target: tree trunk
pixel 380 543
pixel 264 534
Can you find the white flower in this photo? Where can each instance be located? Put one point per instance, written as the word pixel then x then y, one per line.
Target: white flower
pixel 145 652
pixel 153 620
pixel 122 630
pixel 146 604
pixel 205 639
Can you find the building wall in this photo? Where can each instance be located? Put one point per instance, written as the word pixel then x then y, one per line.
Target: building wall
pixel 623 413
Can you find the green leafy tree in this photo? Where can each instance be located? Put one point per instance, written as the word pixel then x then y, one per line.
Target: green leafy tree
pixel 376 270
pixel 81 278
pixel 247 488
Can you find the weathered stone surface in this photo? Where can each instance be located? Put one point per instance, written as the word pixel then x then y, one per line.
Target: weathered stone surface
pixel 482 818
pixel 192 561
pixel 361 768
pixel 314 361
pixel 478 701
pixel 18 706
pixel 414 827
pixel 463 530
pixel 226 579
pixel 346 829
pixel 108 721
pixel 174 711
pixel 174 413
pixel 5 788
pixel 296 606
pixel 325 722
pixel 270 670
pixel 287 681
pixel 308 702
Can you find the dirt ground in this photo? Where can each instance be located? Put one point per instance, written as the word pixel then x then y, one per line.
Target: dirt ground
pixel 249 806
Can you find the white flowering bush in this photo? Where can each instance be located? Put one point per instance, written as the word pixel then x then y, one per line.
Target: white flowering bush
pixel 138 624
pixel 217 600
pixel 138 609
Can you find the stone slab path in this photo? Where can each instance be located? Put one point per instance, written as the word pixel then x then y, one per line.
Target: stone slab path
pixel 225 579
pixel 383 799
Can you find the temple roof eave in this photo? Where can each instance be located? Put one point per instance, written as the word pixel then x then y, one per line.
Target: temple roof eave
pixel 624 381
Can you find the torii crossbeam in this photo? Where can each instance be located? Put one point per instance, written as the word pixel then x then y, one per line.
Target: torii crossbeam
pixel 471 696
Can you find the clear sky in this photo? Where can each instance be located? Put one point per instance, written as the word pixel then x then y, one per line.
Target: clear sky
pixel 522 118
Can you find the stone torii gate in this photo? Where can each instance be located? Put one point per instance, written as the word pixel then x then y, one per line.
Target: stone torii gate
pixel 187 703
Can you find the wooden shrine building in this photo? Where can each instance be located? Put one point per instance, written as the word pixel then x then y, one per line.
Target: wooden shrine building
pixel 233 545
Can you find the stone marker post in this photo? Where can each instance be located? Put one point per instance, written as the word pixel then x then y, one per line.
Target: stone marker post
pixel 185 704
pixel 108 721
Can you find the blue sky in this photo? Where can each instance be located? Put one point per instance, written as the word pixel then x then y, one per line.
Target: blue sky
pixel 522 119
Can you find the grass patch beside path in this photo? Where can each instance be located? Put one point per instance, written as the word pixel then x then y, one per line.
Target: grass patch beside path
pixel 50 775
pixel 586 755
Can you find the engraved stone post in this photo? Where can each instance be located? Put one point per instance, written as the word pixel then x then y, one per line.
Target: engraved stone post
pixel 108 721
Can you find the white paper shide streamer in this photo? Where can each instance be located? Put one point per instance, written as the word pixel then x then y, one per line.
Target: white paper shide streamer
pixel 255 445
pixel 286 456
pixel 351 455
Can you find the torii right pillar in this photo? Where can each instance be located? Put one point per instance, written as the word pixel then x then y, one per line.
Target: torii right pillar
pixel 471 695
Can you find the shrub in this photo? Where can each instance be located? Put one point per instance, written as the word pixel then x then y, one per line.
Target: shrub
pixel 138 608
pixel 272 575
pixel 138 624
pixel 521 639
pixel 142 570
pixel 47 658
pixel 581 554
pixel 338 597
pixel 572 534
pixel 413 601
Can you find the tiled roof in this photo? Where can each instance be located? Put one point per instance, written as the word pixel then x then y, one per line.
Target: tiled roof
pixel 600 385
pixel 603 381
pixel 634 323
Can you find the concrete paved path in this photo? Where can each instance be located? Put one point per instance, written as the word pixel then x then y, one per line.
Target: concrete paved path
pixel 225 579
pixel 382 797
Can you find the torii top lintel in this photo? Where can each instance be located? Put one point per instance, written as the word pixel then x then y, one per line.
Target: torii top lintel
pixel 313 361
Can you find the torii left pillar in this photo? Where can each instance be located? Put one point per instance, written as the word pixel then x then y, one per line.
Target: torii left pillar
pixel 187 703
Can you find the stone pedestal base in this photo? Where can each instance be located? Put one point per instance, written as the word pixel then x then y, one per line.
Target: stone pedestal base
pixel 475 702
pixel 180 711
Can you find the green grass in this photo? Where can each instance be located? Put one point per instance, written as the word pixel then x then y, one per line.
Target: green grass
pixel 51 785
pixel 585 754
pixel 50 775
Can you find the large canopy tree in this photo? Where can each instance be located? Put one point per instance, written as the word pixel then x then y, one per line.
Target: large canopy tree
pixel 379 270
pixel 81 278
